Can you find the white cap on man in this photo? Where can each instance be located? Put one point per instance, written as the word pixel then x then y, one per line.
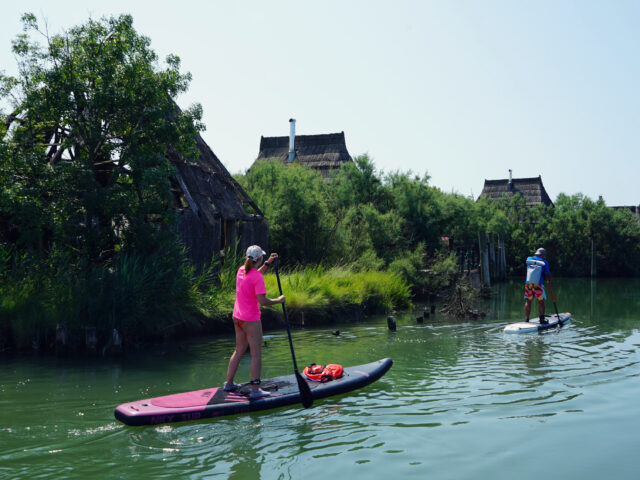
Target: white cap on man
pixel 255 252
pixel 541 251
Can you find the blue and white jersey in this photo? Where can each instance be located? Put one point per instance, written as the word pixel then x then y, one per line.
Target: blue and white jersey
pixel 536 267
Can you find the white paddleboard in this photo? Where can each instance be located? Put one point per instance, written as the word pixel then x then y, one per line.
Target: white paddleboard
pixel 535 326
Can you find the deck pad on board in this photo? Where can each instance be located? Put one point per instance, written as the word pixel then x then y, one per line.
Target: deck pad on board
pixel 187 399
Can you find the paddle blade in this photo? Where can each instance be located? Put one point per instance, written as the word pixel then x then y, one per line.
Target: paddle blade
pixel 305 391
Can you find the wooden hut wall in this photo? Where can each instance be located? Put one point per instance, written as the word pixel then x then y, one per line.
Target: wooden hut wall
pixel 254 233
pixel 201 239
pixel 203 242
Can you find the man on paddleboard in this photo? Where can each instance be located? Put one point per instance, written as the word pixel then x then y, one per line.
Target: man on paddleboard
pixel 537 270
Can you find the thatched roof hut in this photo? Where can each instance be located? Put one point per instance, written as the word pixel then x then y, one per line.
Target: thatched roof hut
pixel 323 153
pixel 531 189
pixel 215 211
pixel 635 209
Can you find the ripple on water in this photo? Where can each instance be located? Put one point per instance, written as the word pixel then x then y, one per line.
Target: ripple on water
pixel 449 386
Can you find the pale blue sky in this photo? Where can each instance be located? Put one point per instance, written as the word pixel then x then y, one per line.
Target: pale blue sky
pixel 462 90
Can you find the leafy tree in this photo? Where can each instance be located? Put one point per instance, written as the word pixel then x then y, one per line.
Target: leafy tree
pixel 459 218
pixel 295 202
pixel 85 201
pixel 415 202
pixel 363 230
pixel 362 217
pixel 571 241
pixel 93 123
pixel 359 183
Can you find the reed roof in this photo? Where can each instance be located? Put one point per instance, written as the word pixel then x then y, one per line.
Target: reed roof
pixel 635 209
pixel 531 189
pixel 321 152
pixel 209 188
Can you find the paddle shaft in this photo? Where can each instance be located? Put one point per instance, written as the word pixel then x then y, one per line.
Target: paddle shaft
pixel 305 391
pixel 286 319
pixel 554 302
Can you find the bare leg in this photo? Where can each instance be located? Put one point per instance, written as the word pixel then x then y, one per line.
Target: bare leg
pixel 527 310
pixel 541 307
pixel 241 346
pixel 253 331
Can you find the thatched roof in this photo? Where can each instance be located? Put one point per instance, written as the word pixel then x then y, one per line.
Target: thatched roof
pixel 215 211
pixel 209 188
pixel 322 152
pixel 635 209
pixel 531 189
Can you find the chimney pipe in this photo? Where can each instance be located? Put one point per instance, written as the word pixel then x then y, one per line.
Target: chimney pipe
pixel 292 139
pixel 510 181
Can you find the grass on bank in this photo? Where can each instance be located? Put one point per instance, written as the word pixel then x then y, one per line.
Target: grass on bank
pixel 154 298
pixel 326 294
pixel 316 294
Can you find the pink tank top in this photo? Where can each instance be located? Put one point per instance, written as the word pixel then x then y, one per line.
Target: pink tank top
pixel 248 286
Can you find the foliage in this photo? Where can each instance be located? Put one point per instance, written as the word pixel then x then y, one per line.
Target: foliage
pixel 295 201
pixel 568 230
pixel 214 288
pixel 359 183
pixel 395 221
pixel 143 296
pixel 86 214
pixel 326 294
pixel 85 163
pixel 462 300
pixel 358 217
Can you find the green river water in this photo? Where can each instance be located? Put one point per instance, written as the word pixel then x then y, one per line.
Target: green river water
pixel 462 401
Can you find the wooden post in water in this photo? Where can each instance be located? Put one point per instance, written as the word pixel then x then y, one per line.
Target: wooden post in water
pixel 91 339
pixel 61 338
pixel 484 258
pixel 593 258
pixel 593 296
pixel 116 340
pixel 503 259
pixel 492 256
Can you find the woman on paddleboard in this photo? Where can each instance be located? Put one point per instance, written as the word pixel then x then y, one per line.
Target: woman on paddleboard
pixel 251 294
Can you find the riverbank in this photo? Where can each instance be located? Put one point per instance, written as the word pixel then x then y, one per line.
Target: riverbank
pixel 314 295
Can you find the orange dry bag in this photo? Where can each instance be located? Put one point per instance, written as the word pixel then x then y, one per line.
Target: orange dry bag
pixel 323 373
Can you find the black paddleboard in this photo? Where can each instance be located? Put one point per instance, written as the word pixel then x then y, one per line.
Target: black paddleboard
pixel 215 402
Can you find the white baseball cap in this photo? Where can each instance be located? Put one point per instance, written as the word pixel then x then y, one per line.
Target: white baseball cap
pixel 255 252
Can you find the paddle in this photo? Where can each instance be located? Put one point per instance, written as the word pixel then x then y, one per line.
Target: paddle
pixel 554 302
pixel 303 386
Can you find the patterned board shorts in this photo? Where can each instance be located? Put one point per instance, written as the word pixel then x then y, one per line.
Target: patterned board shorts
pixel 531 289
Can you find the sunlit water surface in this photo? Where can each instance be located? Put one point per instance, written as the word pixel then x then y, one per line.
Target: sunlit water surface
pixel 463 400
